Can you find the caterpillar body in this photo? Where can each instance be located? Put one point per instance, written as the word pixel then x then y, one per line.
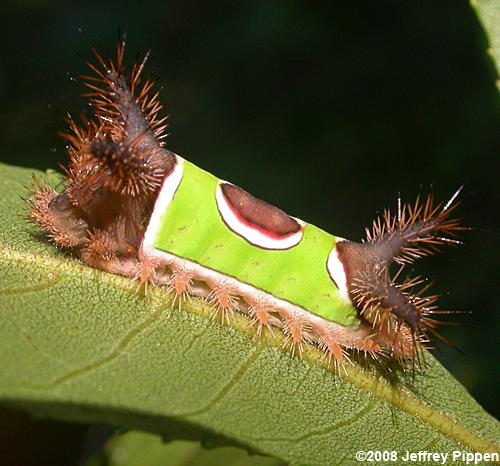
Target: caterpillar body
pixel 132 207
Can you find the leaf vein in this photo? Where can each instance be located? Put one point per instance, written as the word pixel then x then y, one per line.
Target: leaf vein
pixel 227 387
pixel 320 432
pixel 117 351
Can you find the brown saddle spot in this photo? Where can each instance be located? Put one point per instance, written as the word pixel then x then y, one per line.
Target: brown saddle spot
pixel 259 214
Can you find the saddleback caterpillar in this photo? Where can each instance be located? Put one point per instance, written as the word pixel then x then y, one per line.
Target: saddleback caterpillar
pixel 132 207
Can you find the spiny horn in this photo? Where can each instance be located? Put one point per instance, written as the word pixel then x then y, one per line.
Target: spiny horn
pixel 415 231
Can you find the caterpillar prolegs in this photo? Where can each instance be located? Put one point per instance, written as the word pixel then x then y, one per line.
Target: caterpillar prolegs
pixel 132 207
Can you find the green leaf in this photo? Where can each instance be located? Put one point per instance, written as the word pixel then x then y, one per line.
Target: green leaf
pixel 488 12
pixel 82 345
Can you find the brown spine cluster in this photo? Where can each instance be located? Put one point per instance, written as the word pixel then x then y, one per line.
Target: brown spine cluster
pixel 400 312
pixel 116 165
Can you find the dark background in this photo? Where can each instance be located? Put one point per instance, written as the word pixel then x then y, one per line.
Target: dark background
pixel 325 109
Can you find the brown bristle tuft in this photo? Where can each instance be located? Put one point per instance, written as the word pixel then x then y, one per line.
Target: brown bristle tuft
pixel 417 230
pixel 128 171
pixel 39 200
pixel 116 166
pixel 99 246
pixel 54 214
pixel 128 104
pixel 399 311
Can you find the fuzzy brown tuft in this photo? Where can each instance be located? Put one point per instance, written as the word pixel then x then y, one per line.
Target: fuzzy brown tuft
pixel 399 312
pixel 416 231
pixel 116 165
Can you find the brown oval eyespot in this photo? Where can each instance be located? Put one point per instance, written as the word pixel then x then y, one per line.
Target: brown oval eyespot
pixel 257 213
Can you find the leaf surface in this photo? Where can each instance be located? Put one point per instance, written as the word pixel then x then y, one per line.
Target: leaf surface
pixel 80 344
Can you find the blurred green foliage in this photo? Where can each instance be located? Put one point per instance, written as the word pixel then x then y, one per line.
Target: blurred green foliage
pixel 326 109
pixel 134 448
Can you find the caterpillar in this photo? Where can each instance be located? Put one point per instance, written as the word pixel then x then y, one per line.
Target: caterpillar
pixel 132 207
